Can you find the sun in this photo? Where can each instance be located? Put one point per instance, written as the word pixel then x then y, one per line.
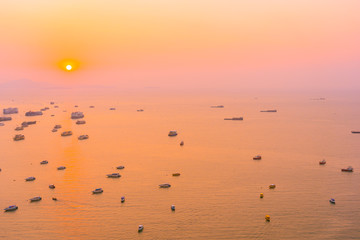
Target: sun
pixel 68 67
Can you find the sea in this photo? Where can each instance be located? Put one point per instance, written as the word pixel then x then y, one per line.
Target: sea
pixel 216 196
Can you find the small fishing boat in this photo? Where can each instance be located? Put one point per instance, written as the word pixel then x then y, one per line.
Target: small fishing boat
pixel 176 174
pixel 98 190
pixel 11 208
pixel 19 137
pixel 355 132
pixel 172 133
pixel 30 179
pixel 44 162
pixel 120 167
pixel 54 130
pixel 122 199
pixel 182 143
pixel 332 201
pixel 19 128
pixel 54 198
pixel 112 108
pixel 235 118
pixel 57 126
pixel 272 186
pixel 78 122
pixel 348 169
pixel 83 137
pixel 51 186
pixel 141 227
pixel 165 185
pixel 140 110
pixel 66 133
pixel 172 207
pixel 322 162
pixel 35 199
pixel 258 157
pixel 61 168
pixel 113 175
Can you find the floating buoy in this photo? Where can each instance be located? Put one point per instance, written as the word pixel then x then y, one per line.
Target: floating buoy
pixel 122 199
pixel 267 218
pixel 173 207
pixel 261 195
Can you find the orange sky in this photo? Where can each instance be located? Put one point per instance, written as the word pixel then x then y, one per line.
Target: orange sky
pixel 213 43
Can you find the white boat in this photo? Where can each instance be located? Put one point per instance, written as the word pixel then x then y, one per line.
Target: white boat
pixel 332 201
pixel 11 208
pixel 35 199
pixel 61 168
pixel 98 190
pixel 172 133
pixel 120 167
pixel 113 175
pixel 165 185
pixel 83 137
pixel 77 115
pixel 173 207
pixel 51 186
pixel 122 199
pixel 30 179
pixel 44 162
pixel 141 227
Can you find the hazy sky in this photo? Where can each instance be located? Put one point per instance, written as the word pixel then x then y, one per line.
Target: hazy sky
pixel 182 43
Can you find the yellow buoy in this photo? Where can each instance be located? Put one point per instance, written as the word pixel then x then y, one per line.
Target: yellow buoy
pixel 261 195
pixel 267 218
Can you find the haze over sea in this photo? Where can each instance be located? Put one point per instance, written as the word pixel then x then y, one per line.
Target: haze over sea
pixel 217 194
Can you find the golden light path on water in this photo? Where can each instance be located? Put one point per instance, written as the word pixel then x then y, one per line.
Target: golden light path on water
pixel 217 194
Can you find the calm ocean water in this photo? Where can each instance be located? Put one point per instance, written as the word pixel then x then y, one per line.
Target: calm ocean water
pixel 217 194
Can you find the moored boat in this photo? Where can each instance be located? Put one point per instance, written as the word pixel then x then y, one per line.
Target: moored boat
pixel 165 185
pixel 182 143
pixel 11 208
pixel 355 132
pixel 113 175
pixel 98 190
pixel 30 179
pixel 19 137
pixel 348 169
pixel 258 157
pixel 322 162
pixel 44 162
pixel 120 167
pixel 234 118
pixel 172 133
pixel 172 207
pixel 66 133
pixel 272 186
pixel 83 137
pixel 122 199
pixel 61 168
pixel 78 122
pixel 77 115
pixel 332 201
pixel 51 186
pixel 35 199
pixel 176 174
pixel 140 228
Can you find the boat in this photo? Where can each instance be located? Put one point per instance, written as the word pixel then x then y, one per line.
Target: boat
pixel 332 201
pixel 51 186
pixel 66 133
pixel 57 126
pixel 56 106
pixel 98 190
pixel 27 123
pixel 91 106
pixel 44 162
pixel 176 174
pixel 348 169
pixel 10 110
pixel 120 167
pixel 172 133
pixel 19 137
pixel 258 157
pixel 165 185
pixel 33 113
pixel 19 128
pixel 30 179
pixel 80 122
pixel 76 106
pixel 140 110
pixel 54 130
pixel 52 103
pixel 35 199
pixel 172 207
pixel 77 115
pixel 322 162
pixel 217 106
pixel 2 124
pixel 234 118
pixel 355 132
pixel 113 175
pixel 112 108
pixel 54 198
pixel 61 168
pixel 274 110
pixel 122 199
pixel 182 143
pixel 141 228
pixel 11 208
pixel 272 186
pixel 83 137
pixel 5 119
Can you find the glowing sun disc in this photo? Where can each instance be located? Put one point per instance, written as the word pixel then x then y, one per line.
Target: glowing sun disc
pixel 68 67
